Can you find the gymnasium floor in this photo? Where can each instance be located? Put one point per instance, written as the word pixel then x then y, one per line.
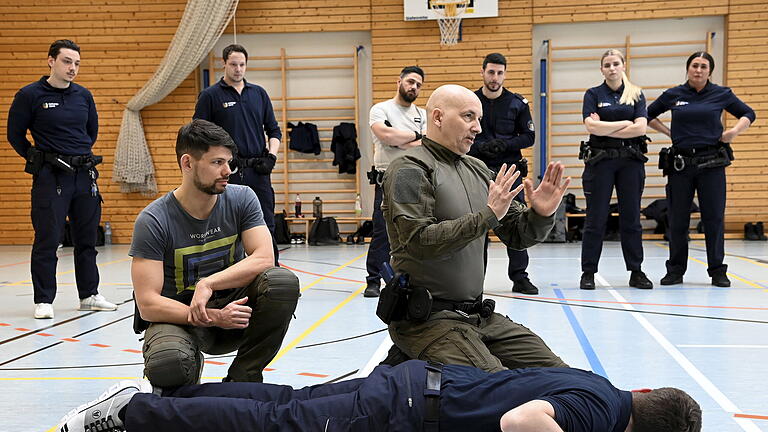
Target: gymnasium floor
pixel 709 341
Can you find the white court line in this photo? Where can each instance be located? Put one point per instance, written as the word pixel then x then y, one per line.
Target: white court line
pixel 686 364
pixel 723 346
pixel 376 358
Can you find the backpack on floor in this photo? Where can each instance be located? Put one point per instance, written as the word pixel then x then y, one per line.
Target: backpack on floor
pixel 324 231
pixel 282 231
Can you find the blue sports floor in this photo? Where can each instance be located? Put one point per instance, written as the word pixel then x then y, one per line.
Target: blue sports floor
pixel 712 342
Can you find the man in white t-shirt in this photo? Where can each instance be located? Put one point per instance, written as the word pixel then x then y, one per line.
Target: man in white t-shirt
pixel 396 125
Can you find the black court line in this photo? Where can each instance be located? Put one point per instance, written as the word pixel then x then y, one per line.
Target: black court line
pixel 61 342
pixel 30 333
pixel 560 303
pixel 760 260
pixel 341 377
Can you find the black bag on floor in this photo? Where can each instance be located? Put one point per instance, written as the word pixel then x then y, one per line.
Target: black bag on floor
pixel 324 231
pixel 282 231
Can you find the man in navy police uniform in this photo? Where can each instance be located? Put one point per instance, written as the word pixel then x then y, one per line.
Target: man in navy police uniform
pixel 245 111
pixel 507 128
pixel 412 396
pixel 62 118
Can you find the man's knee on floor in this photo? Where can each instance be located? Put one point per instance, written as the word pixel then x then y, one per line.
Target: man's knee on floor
pixel 277 284
pixel 170 361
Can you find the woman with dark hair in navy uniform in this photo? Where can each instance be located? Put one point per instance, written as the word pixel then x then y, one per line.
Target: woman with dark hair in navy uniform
pixel 696 162
pixel 615 117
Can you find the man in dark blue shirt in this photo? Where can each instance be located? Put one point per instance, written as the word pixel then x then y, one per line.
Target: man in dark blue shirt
pixel 61 116
pixel 245 112
pixel 507 128
pixel 412 396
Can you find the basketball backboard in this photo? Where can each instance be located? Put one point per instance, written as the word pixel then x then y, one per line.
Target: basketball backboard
pixel 419 10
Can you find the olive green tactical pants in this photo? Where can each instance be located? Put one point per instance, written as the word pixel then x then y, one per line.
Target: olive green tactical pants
pixel 491 344
pixel 173 353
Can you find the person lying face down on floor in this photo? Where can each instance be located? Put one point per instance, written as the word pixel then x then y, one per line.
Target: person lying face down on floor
pixel 412 396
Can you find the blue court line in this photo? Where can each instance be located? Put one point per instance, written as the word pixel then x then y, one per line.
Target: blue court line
pixel 594 362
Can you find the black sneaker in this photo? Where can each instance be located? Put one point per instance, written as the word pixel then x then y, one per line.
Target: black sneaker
pixel 672 279
pixel 372 290
pixel 638 279
pixel 524 286
pixel 587 281
pixel 721 280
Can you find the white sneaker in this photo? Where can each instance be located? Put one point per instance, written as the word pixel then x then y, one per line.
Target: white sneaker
pixel 43 311
pixel 101 414
pixel 96 302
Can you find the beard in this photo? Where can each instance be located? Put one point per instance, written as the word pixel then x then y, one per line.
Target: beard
pixel 492 86
pixel 210 188
pixel 408 97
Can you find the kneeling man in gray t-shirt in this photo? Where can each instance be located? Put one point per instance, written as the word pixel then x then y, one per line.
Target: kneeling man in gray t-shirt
pixel 202 270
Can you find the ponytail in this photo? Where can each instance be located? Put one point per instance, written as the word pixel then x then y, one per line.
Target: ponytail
pixel 631 92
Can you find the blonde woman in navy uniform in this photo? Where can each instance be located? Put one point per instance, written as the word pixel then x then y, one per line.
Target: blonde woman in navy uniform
pixel 696 162
pixel 615 117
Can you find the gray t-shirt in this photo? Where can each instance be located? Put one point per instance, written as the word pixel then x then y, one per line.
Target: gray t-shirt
pixel 192 248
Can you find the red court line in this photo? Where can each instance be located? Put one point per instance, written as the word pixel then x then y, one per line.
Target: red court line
pixel 70 340
pixel 132 351
pixel 4 325
pixel 101 345
pixel 321 275
pixel 268 369
pixel 751 416
pixel 21 329
pixel 44 334
pixel 630 303
pixel 214 362
pixel 314 375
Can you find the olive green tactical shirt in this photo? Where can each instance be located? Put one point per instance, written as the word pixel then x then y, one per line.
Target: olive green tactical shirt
pixel 436 208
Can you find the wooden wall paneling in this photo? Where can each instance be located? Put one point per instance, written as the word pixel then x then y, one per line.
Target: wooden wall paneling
pixel 122 43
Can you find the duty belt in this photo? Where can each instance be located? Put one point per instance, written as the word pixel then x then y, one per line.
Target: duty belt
pixel 483 307
pixel 432 396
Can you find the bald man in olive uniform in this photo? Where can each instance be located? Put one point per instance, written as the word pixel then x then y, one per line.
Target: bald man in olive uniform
pixel 439 204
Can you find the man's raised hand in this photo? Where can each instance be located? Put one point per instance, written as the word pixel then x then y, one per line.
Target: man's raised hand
pixel 547 196
pixel 500 192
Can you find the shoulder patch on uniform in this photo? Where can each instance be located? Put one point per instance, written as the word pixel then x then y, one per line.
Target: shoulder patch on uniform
pixel 408 185
pixel 530 125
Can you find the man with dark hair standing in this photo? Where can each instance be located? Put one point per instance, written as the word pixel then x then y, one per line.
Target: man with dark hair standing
pixel 396 125
pixel 507 129
pixel 203 273
pixel 62 118
pixel 413 396
pixel 245 111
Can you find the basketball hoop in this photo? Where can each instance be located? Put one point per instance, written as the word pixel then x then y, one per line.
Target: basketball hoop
pixel 449 14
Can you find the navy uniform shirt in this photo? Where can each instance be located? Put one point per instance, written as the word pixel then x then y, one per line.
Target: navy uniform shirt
pixel 507 118
pixel 696 116
pixel 605 102
pixel 245 116
pixel 471 399
pixel 62 121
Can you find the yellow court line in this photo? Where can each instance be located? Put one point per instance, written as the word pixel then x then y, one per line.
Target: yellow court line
pixel 317 323
pixel 739 278
pixel 69 271
pixel 337 269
